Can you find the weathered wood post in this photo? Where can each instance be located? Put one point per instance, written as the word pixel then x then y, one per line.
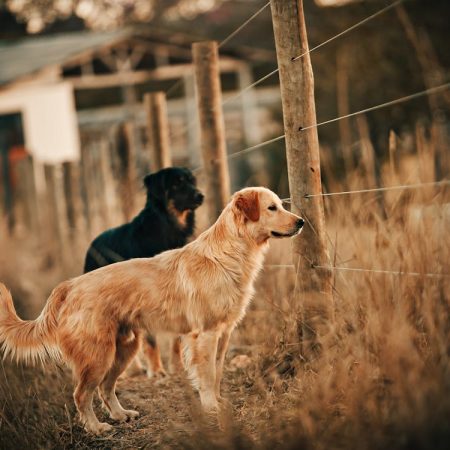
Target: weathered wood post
pixel 6 187
pixel 28 195
pixel 109 197
pixel 209 100
pixel 192 132
pixel 57 219
pixel 158 129
pixel 302 150
pixel 74 200
pixel 127 169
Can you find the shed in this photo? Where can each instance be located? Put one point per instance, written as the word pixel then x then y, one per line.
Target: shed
pixel 56 89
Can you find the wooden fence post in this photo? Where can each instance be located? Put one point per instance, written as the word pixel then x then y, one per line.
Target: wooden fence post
pixel 28 195
pixel 57 219
pixel 127 169
pixel 74 200
pixel 192 132
pixel 6 187
pixel 302 150
pixel 214 153
pixel 158 129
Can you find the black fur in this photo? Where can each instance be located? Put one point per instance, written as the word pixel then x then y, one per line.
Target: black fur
pixel 156 228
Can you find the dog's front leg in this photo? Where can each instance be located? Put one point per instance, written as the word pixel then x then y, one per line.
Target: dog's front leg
pixel 201 365
pixel 221 352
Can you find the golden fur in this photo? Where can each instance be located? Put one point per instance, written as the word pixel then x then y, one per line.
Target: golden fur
pixel 201 291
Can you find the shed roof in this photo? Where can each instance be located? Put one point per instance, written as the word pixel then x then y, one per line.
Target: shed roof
pixel 25 56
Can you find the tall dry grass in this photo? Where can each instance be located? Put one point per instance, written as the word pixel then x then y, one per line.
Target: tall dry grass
pixel 381 381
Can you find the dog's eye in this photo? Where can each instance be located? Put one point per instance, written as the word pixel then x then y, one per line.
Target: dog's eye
pixel 272 207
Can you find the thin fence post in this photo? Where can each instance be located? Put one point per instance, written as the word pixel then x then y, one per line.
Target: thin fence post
pixel 74 200
pixel 57 217
pixel 127 169
pixel 314 286
pixel 7 191
pixel 193 137
pixel 209 100
pixel 28 194
pixel 108 182
pixel 158 129
pixel 90 198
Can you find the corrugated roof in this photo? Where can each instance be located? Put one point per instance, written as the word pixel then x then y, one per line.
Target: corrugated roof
pixel 25 56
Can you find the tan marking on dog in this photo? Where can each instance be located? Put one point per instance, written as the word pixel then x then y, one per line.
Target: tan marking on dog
pixel 180 216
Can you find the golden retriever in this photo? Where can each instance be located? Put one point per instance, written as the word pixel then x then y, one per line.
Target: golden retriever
pixel 201 291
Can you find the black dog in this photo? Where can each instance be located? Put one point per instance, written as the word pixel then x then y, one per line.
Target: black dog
pixel 166 222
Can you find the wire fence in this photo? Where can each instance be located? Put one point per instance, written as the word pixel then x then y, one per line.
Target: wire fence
pixel 361 270
pixel 302 128
pixel 246 89
pixel 379 189
pixel 296 58
pixel 222 43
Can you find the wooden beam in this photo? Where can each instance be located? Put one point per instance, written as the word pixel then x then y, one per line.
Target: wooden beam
pixel 142 76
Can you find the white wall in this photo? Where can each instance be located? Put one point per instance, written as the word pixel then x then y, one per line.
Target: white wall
pixel 49 120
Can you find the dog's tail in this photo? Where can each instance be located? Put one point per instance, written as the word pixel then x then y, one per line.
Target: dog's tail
pixel 30 340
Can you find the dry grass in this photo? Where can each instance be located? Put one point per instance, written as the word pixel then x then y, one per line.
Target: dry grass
pixel 382 380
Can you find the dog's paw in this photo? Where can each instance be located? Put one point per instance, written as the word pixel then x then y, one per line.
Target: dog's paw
pixel 124 415
pixel 157 375
pixel 99 428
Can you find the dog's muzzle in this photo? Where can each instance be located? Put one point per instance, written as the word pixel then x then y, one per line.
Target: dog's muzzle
pixel 298 226
pixel 198 198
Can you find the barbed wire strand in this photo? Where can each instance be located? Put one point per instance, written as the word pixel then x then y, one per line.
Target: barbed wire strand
pixel 356 25
pixel 174 87
pixel 380 189
pixel 238 29
pixel 432 90
pixel 246 150
pixel 265 77
pixel 222 43
pixel 351 269
pixel 386 272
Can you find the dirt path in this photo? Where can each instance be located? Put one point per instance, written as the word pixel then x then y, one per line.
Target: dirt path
pixel 170 416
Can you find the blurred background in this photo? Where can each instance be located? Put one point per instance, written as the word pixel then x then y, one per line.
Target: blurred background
pixel 74 146
pixel 72 72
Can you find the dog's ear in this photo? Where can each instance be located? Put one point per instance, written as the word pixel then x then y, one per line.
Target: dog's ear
pixel 248 204
pixel 156 186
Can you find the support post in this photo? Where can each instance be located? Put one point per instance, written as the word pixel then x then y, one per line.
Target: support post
pixel 127 170
pixel 74 200
pixel 158 129
pixel 192 132
pixel 58 217
pixel 27 192
pixel 302 151
pixel 209 100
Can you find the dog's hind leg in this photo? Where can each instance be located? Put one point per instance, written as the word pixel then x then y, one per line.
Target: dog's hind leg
pixel 91 357
pixel 201 365
pixel 127 346
pixel 88 381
